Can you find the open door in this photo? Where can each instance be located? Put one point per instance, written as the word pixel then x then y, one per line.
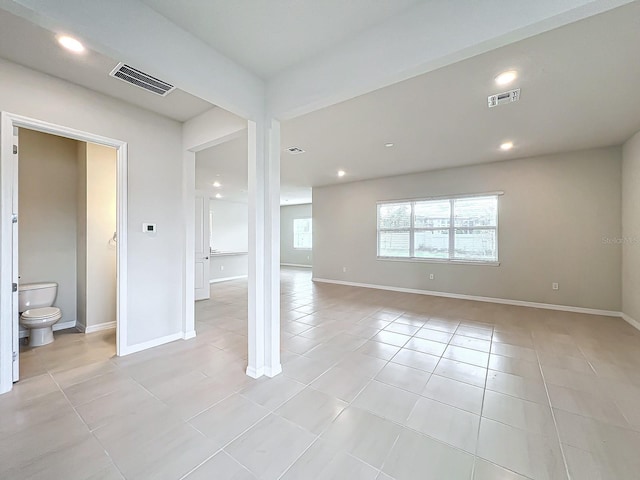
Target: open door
pixel 14 269
pixel 202 250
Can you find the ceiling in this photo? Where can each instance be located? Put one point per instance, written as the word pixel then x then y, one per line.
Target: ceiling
pixel 579 89
pixel 227 163
pixel 268 36
pixel 24 43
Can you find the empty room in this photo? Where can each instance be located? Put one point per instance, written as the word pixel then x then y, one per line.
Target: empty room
pixel 365 239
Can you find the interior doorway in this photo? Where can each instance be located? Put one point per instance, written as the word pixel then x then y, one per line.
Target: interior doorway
pixel 9 257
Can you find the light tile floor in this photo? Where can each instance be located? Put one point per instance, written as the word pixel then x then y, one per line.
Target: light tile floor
pixel 376 385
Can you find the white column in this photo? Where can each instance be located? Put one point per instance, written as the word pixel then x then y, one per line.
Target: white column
pixel 272 261
pixel 264 248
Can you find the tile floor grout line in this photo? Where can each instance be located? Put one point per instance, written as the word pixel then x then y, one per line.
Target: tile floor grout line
pixel 106 452
pixel 553 416
pixel 484 393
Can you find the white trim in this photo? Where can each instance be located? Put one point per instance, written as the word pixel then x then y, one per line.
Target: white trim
pixel 100 327
pixel 519 303
pixel 631 321
pixel 442 197
pixel 152 343
pixel 226 279
pixel 435 260
pixel 8 122
pixel 255 373
pixel 273 371
pixel 295 265
pixel 58 326
pixel 189 335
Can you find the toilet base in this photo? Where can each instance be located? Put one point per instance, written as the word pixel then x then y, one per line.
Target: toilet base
pixel 40 336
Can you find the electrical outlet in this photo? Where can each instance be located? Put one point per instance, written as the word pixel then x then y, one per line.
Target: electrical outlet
pixel 221 267
pixel 555 286
pixel 308 257
pixel 344 269
pixel 431 276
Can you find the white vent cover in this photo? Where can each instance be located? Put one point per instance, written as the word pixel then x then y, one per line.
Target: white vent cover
pixel 295 150
pixel 140 79
pixel 504 97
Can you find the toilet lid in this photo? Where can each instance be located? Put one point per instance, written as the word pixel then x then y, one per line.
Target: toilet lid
pixel 44 312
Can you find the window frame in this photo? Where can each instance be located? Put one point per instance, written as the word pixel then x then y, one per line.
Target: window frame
pixel 293 225
pixel 451 228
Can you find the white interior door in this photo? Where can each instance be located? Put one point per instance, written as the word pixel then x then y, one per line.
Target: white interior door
pixel 14 269
pixel 202 249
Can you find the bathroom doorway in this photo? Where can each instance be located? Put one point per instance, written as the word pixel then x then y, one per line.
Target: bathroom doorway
pixel 81 247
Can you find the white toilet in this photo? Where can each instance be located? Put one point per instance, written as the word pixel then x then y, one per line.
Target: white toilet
pixel 36 311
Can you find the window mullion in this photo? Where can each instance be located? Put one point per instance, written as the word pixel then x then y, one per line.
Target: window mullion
pixel 452 230
pixel 412 230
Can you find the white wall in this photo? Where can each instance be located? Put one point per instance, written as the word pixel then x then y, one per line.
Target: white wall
pixel 553 217
pixel 155 263
pixel 96 226
pixel 631 228
pixel 229 226
pixel 224 267
pixel 47 177
pixel 288 254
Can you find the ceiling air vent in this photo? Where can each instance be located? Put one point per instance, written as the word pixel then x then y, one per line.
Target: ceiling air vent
pixel 502 98
pixel 140 79
pixel 295 150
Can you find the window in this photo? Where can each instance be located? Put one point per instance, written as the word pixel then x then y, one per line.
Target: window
pixel 302 233
pixel 461 229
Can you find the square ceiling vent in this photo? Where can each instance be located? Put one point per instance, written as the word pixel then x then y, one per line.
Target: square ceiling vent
pixel 135 77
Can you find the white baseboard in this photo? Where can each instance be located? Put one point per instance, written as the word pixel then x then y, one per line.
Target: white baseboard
pixel 519 303
pixel 150 344
pixel 631 321
pixel 188 335
pixel 226 279
pixel 24 333
pixel 295 265
pixel 99 327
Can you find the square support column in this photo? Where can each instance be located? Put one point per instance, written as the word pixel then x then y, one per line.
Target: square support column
pixel 264 248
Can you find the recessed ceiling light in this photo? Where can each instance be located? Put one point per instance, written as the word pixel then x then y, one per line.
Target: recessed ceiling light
pixel 71 44
pixel 505 78
pixel 218 195
pixel 506 146
pixel 217 184
pixel 341 173
pixel 388 145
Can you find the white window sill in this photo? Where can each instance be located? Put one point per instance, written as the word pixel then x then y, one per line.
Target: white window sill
pixel 433 260
pixel 305 249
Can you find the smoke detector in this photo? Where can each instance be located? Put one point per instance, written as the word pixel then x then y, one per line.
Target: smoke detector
pixel 294 150
pixel 504 97
pixel 140 79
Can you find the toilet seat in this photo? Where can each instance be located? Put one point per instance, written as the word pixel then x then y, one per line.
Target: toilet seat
pixel 41 314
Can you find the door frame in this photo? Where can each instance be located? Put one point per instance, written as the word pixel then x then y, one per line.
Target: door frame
pixel 9 121
pixel 206 229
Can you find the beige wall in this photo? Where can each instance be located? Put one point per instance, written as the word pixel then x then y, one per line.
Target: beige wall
pixel 553 218
pixel 288 254
pixel 47 179
pixel 96 226
pixel 631 228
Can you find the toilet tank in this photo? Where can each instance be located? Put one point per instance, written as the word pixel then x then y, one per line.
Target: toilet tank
pixel 36 295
